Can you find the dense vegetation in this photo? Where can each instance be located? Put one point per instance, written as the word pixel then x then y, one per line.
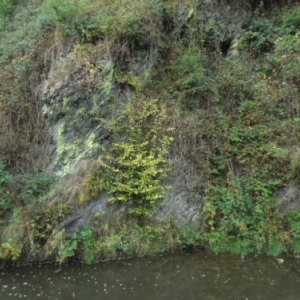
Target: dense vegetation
pixel 229 106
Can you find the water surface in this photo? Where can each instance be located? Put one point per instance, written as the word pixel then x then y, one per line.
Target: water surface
pixel 190 276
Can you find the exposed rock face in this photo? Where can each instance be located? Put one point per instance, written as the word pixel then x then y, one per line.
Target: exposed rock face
pixel 84 216
pixel 79 102
pixel 77 132
pixel 182 204
pixel 288 198
pixel 76 109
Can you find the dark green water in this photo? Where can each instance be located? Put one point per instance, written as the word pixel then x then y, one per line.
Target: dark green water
pixel 181 276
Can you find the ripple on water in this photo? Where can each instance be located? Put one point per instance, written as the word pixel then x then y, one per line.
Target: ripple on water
pixel 187 276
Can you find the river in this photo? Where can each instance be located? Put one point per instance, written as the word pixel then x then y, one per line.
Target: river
pixel 196 275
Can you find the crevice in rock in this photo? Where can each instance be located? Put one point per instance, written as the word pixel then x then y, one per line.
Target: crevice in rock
pixel 225 46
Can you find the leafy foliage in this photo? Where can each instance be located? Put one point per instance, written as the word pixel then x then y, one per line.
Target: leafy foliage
pixel 240 216
pixel 194 86
pixel 138 23
pixel 22 47
pixel 21 199
pixel 292 217
pixel 5 199
pixel 236 115
pixel 7 7
pixel 259 36
pixel 121 236
pixel 135 164
pixel 82 239
pixel 291 21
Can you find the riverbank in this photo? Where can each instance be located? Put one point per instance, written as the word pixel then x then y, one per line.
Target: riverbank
pixel 140 127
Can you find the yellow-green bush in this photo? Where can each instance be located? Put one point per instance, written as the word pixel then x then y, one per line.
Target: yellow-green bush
pixel 133 167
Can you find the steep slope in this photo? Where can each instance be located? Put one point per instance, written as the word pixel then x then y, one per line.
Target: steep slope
pixel 133 127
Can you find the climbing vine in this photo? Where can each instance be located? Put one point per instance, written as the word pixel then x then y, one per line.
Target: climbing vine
pixel 134 166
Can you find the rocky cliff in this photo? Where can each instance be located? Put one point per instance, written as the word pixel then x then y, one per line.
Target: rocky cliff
pixel 143 126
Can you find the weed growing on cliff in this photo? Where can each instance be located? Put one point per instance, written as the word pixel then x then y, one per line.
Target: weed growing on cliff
pixel 6 9
pixel 22 46
pixel 121 236
pixel 25 224
pixel 5 197
pixel 237 124
pixel 245 156
pixel 135 165
pixel 21 190
pixel 136 23
pixel 81 241
pixel 259 36
pixel 240 217
pixel 194 85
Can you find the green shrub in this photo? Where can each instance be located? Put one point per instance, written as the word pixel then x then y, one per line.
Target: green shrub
pixel 82 240
pixel 286 58
pixel 194 85
pixel 291 221
pixel 134 165
pixel 5 197
pixel 6 9
pixel 259 36
pixel 233 84
pixel 291 21
pixel 138 23
pixel 239 216
pixel 25 224
pixel 29 188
